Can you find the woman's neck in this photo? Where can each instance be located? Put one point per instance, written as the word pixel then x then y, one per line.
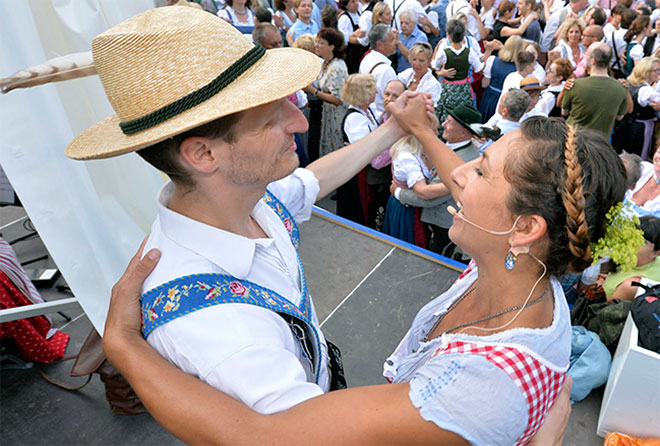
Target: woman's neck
pixel 305 21
pixel 456 45
pixel 241 9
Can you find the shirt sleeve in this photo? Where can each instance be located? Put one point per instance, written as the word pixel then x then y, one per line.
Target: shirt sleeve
pixel 344 25
pixel 297 192
pixel 238 357
pixel 637 52
pixel 365 25
pixel 407 168
pixel 471 397
pixel 568 98
pixel 475 61
pixel 489 67
pixel 356 127
pixel 440 59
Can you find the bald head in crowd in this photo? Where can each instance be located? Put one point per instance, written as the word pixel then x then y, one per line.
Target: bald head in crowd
pixel 266 35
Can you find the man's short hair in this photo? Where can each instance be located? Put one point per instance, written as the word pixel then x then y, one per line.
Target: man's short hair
pixel 598 16
pixel 262 15
pixel 260 33
pixel 618 9
pixel 597 31
pixel 524 59
pixel 164 155
pixel 378 33
pixel 628 16
pixel 410 14
pixel 516 102
pixel 601 53
pixel 456 30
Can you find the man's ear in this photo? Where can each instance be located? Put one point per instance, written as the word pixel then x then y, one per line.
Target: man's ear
pixel 200 153
pixel 529 230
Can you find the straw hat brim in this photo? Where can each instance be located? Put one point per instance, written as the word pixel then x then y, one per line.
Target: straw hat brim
pixel 279 73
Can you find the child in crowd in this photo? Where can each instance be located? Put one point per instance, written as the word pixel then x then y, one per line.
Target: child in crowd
pixel 454 63
pixel 410 170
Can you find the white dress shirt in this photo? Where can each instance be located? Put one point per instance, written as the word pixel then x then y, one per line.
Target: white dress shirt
pixel 383 74
pixel 243 350
pixel 427 84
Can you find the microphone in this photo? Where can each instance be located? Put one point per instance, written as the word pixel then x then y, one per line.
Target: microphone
pixel 452 210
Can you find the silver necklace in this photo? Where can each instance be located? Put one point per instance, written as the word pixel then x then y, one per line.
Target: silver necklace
pixel 453 305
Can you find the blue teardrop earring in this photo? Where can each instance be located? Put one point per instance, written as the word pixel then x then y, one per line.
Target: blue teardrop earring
pixel 510 261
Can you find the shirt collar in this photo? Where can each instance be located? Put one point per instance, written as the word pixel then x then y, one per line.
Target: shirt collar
pixel 209 242
pixel 457 145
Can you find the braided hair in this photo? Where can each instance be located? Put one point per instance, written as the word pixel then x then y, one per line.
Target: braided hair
pixel 569 177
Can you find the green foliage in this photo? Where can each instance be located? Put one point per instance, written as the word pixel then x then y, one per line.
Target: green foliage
pixel 622 240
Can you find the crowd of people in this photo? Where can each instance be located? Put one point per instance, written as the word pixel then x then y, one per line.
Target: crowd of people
pixel 487 65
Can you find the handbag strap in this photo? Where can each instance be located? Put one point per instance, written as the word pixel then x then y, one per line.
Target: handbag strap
pixel 59 383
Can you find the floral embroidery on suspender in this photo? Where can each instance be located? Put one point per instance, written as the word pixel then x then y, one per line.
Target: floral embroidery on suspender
pixel 539 384
pixel 184 295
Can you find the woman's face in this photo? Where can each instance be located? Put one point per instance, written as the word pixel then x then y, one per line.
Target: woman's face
pixel 656 160
pixel 482 192
pixel 654 73
pixel 551 77
pixel 646 254
pixel 323 49
pixel 288 4
pixel 304 10
pixel 574 34
pixel 420 63
pixel 386 16
pixel 509 14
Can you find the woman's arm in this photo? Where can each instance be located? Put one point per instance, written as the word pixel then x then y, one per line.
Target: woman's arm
pixel 199 414
pixel 429 191
pixel 508 31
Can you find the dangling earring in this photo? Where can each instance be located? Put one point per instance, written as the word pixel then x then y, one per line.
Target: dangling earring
pixel 512 256
pixel 510 261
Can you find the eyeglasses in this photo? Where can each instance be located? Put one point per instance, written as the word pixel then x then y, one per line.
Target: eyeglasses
pixel 657 70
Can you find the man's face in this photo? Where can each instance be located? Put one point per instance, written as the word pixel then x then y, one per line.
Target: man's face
pixel 273 40
pixel 551 77
pixel 264 149
pixel 407 26
pixel 389 46
pixel 522 7
pixel 535 95
pixel 453 131
pixel 588 37
pixel 392 92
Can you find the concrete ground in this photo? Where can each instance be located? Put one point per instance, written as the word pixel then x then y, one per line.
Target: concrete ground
pixel 366 293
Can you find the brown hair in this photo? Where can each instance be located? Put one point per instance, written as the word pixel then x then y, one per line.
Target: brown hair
pixel 164 155
pixel 569 177
pixel 504 7
pixel 563 68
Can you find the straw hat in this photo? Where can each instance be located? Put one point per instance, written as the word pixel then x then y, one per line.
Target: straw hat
pixel 169 70
pixel 531 83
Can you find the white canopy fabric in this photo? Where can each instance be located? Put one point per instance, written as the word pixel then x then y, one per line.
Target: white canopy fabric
pixel 91 215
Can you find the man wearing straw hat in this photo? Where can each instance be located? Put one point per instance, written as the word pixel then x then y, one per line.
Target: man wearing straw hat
pixel 228 301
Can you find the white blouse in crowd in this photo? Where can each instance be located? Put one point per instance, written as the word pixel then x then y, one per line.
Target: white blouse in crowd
pixel 647 93
pixel 538 72
pixel 473 58
pixel 548 100
pixel 652 205
pixel 427 84
pixel 488 18
pixel 359 124
pixel 409 168
pixel 228 13
pixel 636 51
pixel 345 26
pixel 566 51
pixel 365 25
pixel 471 42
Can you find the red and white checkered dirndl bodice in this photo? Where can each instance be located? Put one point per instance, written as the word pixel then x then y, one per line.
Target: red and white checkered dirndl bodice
pixel 539 384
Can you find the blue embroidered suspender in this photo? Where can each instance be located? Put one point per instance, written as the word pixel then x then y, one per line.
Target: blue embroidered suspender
pixel 184 295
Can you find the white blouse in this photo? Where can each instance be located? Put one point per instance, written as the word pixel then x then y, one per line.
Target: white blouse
pixel 427 84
